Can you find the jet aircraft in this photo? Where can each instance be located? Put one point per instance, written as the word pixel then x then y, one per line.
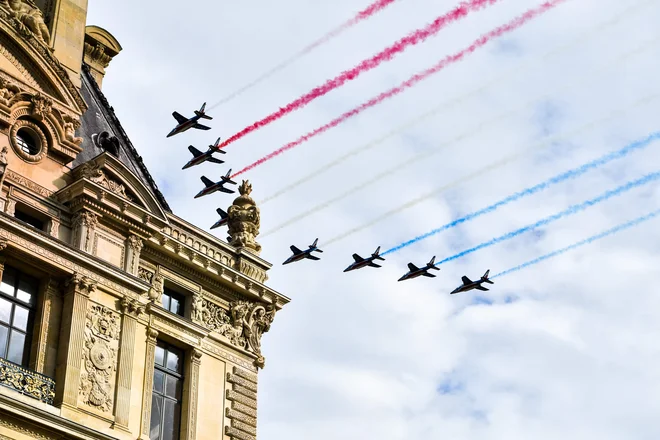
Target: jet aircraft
pixel 300 255
pixel 212 187
pixel 223 218
pixel 468 284
pixel 199 157
pixel 415 271
pixel 363 262
pixel 188 123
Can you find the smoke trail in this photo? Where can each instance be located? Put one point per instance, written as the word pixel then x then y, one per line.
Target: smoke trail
pixel 474 175
pixel 571 174
pixel 652 177
pixel 589 240
pixel 447 106
pixel 362 15
pixel 514 24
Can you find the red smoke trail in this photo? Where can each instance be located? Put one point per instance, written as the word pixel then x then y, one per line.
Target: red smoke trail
pixel 362 15
pixel 481 41
pixel 385 55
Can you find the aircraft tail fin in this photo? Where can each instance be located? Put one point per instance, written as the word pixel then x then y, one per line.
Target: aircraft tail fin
pixel 200 112
pixel 485 277
pixel 431 264
pixel 216 147
pixel 226 178
pixel 313 245
pixel 376 256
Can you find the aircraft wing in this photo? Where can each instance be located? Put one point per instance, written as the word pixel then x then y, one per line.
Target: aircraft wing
pixel 295 250
pixel 357 258
pixel 412 267
pixel 201 127
pixel 430 275
pixel 480 288
pixel 195 152
pixel 179 118
pixel 214 160
pixel 466 280
pixel 312 257
pixel 207 181
pixel 373 265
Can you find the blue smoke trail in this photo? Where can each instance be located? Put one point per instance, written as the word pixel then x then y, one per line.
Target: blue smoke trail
pixel 575 172
pixel 569 211
pixel 589 240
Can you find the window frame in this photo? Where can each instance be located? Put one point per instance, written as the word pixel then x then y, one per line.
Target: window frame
pixel 162 395
pixel 32 312
pixel 171 293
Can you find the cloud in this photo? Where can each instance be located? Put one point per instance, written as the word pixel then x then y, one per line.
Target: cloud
pixel 565 349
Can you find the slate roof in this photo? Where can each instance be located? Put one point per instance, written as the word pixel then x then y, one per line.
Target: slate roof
pixel 100 117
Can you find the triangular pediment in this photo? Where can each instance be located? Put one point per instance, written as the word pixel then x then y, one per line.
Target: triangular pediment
pixel 112 175
pixel 31 66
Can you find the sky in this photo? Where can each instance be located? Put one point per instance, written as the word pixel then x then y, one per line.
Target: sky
pixel 566 348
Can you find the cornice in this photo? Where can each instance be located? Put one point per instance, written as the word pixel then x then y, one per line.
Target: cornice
pixel 69 259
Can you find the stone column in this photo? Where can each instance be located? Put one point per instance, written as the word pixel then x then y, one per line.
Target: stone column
pixel 84 226
pixel 131 310
pixel 152 334
pixel 190 417
pixel 70 353
pixel 134 245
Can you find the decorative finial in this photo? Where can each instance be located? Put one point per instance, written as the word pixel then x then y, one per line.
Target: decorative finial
pixel 244 220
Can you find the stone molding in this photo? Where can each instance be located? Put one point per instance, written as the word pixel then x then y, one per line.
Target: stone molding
pixel 242 415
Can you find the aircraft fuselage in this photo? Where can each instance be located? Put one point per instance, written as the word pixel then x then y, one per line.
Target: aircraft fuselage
pixel 184 126
pixel 197 160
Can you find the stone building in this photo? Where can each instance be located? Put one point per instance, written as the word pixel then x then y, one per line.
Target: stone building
pixel 118 319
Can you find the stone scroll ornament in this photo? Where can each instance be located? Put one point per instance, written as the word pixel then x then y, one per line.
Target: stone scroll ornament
pixel 100 358
pixel 244 220
pixel 248 321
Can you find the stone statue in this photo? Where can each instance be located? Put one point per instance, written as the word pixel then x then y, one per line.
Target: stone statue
pixel 198 308
pixel 3 163
pixel 244 220
pixel 156 291
pixel 29 15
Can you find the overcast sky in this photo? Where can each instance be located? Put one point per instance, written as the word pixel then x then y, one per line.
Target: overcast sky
pixel 564 349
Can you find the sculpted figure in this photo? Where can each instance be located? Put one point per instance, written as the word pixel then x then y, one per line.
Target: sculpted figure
pixel 29 14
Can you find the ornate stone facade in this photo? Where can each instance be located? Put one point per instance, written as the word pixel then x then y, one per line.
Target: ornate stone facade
pixel 244 220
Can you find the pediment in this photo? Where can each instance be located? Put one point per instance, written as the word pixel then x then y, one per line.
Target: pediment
pixel 31 66
pixel 115 178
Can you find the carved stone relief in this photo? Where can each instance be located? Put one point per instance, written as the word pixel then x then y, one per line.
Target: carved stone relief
pixel 7 91
pixel 145 274
pixel 97 175
pixel 29 18
pixel 156 289
pixel 42 106
pixel 97 379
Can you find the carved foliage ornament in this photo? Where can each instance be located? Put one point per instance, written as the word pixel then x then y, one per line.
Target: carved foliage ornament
pixel 244 220
pixel 94 173
pixel 42 106
pixel 99 358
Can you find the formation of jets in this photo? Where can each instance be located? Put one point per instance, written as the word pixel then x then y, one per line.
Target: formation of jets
pixel 184 124
pixel 413 271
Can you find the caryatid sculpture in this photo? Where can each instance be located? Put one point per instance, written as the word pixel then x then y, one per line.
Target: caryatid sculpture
pixel 244 220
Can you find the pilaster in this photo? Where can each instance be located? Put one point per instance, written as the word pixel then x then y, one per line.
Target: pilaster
pixel 148 382
pixel 84 227
pixel 131 310
pixel 74 312
pixel 49 309
pixel 190 418
pixel 134 245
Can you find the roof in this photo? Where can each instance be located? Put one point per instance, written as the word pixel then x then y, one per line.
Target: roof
pixel 100 117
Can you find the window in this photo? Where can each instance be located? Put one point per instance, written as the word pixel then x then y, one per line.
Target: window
pixel 27 142
pixel 18 292
pixel 167 393
pixel 173 301
pixel 27 218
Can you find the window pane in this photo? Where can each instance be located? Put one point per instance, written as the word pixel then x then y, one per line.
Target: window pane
pixel 159 379
pixel 27 287
pixel 160 356
pixel 16 347
pixel 20 318
pixel 171 420
pixel 4 334
pixel 8 281
pixel 173 387
pixel 5 310
pixel 165 298
pixel 156 417
pixel 176 306
pixel 173 361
